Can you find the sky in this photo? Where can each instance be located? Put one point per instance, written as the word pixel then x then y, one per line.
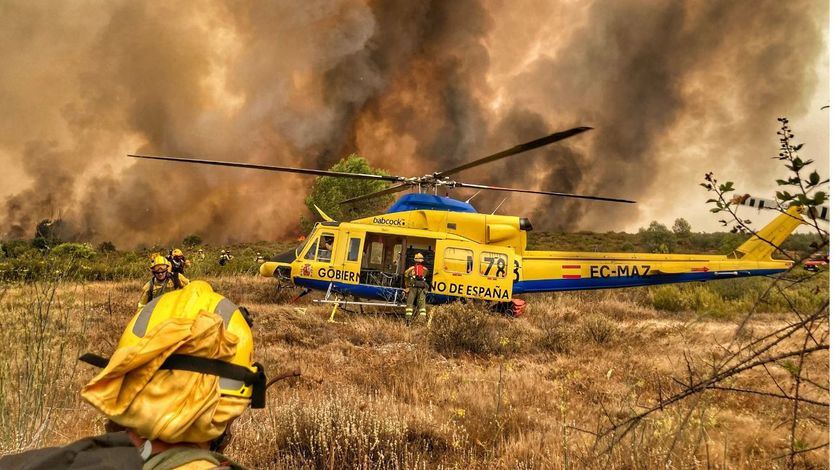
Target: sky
pixel 672 89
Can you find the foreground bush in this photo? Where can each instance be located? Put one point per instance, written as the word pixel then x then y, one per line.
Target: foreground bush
pixel 346 431
pixel 461 328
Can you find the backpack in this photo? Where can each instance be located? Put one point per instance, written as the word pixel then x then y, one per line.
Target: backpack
pixel 109 451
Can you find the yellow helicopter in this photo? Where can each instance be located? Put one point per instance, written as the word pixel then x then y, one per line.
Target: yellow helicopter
pixel 476 256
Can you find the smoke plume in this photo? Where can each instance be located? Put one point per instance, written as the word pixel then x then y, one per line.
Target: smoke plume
pixel 672 89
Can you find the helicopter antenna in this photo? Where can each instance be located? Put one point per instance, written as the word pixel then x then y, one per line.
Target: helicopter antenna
pixel 497 207
pixel 474 195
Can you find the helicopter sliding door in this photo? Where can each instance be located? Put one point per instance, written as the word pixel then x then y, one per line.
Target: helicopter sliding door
pixel 472 270
pixel 382 259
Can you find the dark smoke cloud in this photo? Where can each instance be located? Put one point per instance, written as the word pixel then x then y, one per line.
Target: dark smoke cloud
pixel 630 71
pixel 414 86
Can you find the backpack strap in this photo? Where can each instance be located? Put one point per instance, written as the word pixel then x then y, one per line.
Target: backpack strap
pixel 175 278
pixel 257 380
pixel 177 457
pixel 151 290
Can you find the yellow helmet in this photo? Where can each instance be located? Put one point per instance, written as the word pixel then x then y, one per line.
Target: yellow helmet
pixel 419 257
pixel 177 252
pixel 159 260
pixel 150 385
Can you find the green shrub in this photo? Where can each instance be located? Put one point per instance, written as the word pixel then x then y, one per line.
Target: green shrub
pixel 688 297
pixel 74 251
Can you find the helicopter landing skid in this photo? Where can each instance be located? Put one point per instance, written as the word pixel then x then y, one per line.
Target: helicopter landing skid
pixel 343 303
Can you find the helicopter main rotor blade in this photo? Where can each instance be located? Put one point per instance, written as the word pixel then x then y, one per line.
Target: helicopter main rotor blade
pixel 394 189
pixel 285 169
pixel 542 141
pixel 547 193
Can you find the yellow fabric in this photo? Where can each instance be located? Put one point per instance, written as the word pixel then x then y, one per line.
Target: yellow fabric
pixel 160 288
pixel 198 465
pixel 170 405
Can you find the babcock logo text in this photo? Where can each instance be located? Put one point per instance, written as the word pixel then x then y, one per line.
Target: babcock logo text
pixel 394 222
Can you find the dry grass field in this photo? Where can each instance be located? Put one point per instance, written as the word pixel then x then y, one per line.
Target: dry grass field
pixel 475 390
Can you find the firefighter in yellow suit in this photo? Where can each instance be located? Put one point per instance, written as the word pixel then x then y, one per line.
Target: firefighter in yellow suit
pixel 415 278
pixel 182 372
pixel 163 281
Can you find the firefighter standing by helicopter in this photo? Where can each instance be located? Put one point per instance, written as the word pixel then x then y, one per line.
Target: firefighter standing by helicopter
pixel 415 278
pixel 163 281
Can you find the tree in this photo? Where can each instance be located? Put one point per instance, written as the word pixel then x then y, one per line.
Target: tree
pixel 328 192
pixel 49 233
pixel 681 227
pixel 192 240
pixel 106 247
pixel 657 237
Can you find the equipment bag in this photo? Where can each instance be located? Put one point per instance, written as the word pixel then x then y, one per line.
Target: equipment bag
pixel 111 451
pixel 518 307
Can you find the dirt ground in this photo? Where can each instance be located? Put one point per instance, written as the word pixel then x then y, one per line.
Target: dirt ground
pixel 473 390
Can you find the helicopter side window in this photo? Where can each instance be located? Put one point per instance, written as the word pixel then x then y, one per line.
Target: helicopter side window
pixel 325 247
pixel 458 260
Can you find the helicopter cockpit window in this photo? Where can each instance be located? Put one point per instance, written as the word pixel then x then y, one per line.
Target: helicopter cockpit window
pixel 303 241
pixel 354 249
pixel 458 260
pixel 325 247
pixel 311 252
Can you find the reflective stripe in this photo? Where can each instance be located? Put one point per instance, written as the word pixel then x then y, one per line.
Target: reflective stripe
pixel 230 384
pixel 225 308
pixel 141 325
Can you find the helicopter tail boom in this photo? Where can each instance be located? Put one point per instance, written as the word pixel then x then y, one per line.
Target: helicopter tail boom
pixel 546 271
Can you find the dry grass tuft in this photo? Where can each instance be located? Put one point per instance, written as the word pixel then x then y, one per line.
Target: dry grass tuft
pixel 459 328
pixel 598 328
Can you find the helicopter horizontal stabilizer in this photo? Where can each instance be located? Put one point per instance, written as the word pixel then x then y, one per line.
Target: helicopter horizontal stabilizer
pixel 761 245
pixel 746 200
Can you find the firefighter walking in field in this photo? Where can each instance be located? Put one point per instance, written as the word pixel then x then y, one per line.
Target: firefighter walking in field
pixel 178 261
pixel 163 281
pixel 415 278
